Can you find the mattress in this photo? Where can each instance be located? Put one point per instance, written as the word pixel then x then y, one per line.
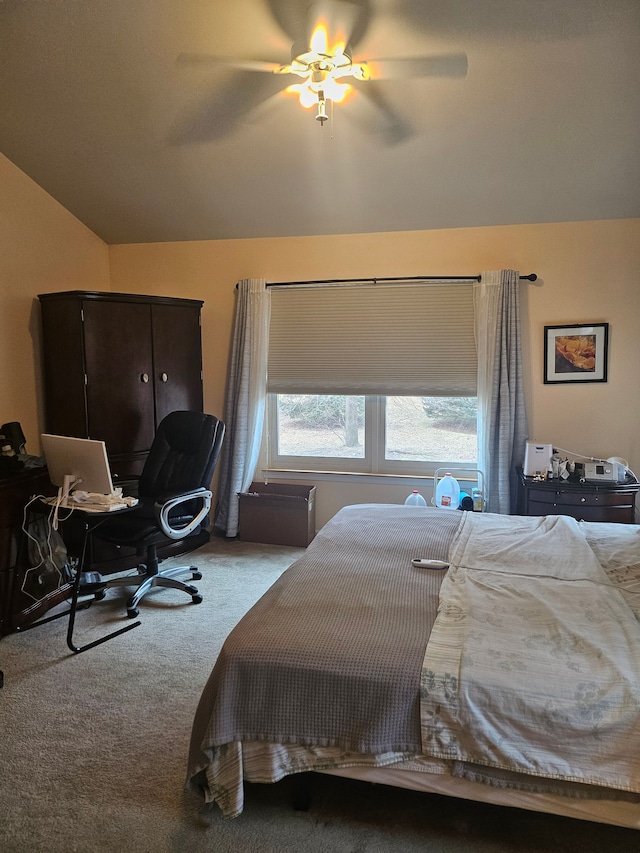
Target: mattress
pixel 323 673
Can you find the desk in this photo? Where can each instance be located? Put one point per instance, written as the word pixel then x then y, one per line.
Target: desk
pixel 15 491
pixel 17 610
pixel 91 584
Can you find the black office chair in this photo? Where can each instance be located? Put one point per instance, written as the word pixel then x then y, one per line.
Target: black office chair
pixel 174 500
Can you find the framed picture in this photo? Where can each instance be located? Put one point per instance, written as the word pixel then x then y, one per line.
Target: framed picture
pixel 576 353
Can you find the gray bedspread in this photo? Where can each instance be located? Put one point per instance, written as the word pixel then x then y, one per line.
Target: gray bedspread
pixel 331 654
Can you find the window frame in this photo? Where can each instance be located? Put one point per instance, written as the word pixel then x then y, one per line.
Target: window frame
pixel 373 462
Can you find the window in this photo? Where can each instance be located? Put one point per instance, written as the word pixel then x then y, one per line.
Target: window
pixel 431 429
pixel 320 426
pixel 372 378
pixel 366 434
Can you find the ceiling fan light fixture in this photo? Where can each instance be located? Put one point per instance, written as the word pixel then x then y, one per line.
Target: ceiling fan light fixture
pixel 323 62
pixel 321 115
pixel 320 67
pixel 307 97
pixel 336 91
pixel 309 94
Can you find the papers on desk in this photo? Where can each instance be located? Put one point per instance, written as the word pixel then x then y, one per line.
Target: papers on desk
pixel 86 506
pixel 92 502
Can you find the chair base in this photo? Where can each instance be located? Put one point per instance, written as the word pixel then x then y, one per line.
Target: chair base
pixel 148 580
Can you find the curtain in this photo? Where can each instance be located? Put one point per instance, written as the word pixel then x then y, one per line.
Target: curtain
pixel 406 337
pixel 245 401
pixel 502 420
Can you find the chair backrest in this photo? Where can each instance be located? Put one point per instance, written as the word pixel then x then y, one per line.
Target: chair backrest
pixel 183 455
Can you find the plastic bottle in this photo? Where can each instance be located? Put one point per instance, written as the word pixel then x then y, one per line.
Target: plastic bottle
pixel 466 501
pixel 415 499
pixel 476 494
pixel 448 492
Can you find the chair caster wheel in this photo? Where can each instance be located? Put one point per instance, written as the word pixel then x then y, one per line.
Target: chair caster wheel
pixel 196 599
pixel 99 595
pixel 196 576
pixel 132 612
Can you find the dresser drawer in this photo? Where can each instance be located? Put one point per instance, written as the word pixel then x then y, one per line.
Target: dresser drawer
pixel 605 502
pixel 584 512
pixel 576 499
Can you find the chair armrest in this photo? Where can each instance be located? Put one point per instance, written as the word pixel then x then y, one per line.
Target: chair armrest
pixel 166 503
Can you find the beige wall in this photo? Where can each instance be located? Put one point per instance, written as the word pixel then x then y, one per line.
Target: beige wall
pixel 588 272
pixel 43 248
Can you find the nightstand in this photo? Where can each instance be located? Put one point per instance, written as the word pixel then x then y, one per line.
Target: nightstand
pixel 583 501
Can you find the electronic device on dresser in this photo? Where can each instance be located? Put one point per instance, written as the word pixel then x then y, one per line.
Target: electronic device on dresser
pixel 583 500
pixel 537 458
pixel 542 460
pixel 601 471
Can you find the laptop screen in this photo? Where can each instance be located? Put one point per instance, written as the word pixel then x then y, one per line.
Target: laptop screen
pixel 84 460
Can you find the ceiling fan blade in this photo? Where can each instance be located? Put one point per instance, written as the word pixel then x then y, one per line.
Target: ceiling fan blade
pixel 342 19
pixel 220 112
pixel 205 59
pixel 373 113
pixel 447 65
pixel 291 17
pixel 295 20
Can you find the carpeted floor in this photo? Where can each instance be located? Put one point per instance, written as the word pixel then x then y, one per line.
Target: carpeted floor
pixel 94 746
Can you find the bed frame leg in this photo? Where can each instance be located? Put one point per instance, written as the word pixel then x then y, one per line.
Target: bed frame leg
pixel 302 791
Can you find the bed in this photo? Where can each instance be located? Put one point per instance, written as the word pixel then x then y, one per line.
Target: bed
pixel 513 677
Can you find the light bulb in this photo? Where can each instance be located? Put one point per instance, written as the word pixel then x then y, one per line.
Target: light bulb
pixel 321 115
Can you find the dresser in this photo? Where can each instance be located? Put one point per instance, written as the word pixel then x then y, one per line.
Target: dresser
pixel 15 492
pixel 115 364
pixel 612 502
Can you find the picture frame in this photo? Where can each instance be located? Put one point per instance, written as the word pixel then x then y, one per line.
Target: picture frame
pixel 576 352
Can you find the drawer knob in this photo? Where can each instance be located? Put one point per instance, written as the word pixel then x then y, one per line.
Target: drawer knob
pixel 164 377
pixel 144 377
pixel 582 500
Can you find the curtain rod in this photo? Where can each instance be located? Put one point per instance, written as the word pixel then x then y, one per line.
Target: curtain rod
pixel 531 277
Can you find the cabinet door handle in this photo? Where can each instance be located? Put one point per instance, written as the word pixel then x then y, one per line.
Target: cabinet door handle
pixel 164 377
pixel 144 377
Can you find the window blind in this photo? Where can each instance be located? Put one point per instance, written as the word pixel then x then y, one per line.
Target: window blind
pixel 389 339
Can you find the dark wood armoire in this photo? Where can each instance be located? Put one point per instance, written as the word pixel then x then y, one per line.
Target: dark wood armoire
pixel 115 364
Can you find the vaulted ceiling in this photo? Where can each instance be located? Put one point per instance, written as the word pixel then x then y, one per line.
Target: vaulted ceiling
pixel 97 107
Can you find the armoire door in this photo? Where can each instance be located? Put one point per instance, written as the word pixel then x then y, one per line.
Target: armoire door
pixel 119 375
pixel 177 358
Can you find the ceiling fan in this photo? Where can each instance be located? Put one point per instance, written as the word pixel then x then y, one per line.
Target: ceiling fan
pixel 322 69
